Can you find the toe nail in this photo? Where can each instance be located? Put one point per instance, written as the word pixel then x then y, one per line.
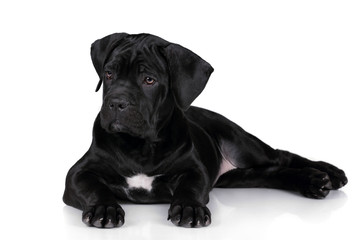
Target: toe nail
pixel 98 223
pixel 109 224
pixel 198 224
pixel 207 220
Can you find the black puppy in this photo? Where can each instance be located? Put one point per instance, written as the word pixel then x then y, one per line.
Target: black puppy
pixel 150 146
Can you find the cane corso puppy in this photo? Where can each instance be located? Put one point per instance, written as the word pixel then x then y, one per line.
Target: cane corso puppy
pixel 150 146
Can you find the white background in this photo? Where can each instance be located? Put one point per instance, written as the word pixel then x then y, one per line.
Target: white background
pixel 286 71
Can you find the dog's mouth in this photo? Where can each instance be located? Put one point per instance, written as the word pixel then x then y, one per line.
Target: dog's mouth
pixel 134 129
pixel 116 126
pixel 130 122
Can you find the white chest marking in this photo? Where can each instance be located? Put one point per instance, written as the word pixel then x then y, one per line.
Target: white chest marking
pixel 140 181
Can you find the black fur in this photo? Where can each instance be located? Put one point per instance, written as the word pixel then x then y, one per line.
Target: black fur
pixel 146 126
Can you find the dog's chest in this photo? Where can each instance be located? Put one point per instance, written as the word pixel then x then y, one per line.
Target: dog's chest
pixel 140 181
pixel 142 188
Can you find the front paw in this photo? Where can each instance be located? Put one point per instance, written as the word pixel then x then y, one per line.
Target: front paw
pixel 104 216
pixel 189 215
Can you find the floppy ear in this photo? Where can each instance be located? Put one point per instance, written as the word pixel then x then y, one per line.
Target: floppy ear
pixel 188 74
pixel 100 51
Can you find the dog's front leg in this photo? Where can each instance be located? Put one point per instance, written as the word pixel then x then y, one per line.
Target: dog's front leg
pixel 86 191
pixel 188 206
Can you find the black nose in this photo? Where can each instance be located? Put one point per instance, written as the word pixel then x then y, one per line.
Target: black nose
pixel 118 104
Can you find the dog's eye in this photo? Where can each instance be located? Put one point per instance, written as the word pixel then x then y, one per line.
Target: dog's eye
pixel 149 81
pixel 108 75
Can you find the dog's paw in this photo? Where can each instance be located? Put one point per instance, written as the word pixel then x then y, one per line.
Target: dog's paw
pixel 188 215
pixel 337 176
pixel 313 183
pixel 103 216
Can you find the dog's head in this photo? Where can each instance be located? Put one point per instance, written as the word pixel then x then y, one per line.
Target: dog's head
pixel 144 78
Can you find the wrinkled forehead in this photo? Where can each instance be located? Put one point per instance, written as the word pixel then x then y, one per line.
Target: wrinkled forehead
pixel 143 55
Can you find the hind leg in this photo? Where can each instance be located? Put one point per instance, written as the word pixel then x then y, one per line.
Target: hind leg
pixel 259 165
pixel 245 151
pixel 310 182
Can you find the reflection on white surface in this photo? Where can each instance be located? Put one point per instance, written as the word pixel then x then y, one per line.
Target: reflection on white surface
pixel 248 213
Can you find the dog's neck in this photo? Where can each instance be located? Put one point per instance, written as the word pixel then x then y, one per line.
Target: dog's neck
pixel 173 124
